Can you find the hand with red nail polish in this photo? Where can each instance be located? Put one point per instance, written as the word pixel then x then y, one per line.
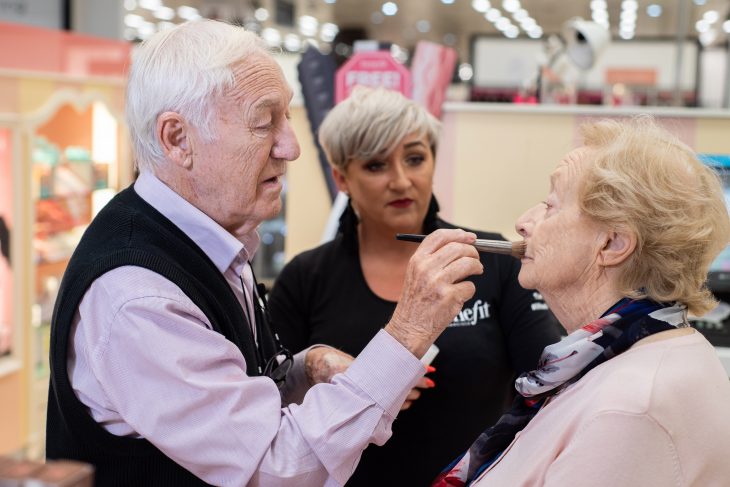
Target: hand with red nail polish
pixel 415 393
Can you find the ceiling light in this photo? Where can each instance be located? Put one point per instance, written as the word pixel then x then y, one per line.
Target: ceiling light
pixel 130 5
pixel 164 13
pixel 535 32
pixel 481 5
pixel 511 6
pixel 292 43
pixel 261 14
pixel 493 15
pixel 726 26
pixel 711 16
pixel 328 32
pixel 330 1
pixel 188 13
pixel 447 2
pixel 700 2
pixel 389 8
pixel 423 26
pixel 308 25
pixel 133 20
pixel 150 4
pixel 271 36
pixel 502 23
pixel 512 31
pixel 630 5
pixel 377 18
pixel 702 26
pixel 528 23
pixel 654 10
pixel 628 16
pixel 600 15
pixel 598 5
pixel 466 72
pixel 520 15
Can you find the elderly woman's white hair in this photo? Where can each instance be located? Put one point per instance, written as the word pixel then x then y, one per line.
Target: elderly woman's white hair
pixel 370 123
pixel 182 70
pixel 645 181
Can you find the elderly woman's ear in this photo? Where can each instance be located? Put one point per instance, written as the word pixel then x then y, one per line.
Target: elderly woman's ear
pixel 618 247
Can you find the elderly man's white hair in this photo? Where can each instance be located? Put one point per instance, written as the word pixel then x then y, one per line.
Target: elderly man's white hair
pixel 182 70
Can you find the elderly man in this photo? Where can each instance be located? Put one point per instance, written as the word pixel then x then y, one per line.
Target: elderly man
pixel 164 371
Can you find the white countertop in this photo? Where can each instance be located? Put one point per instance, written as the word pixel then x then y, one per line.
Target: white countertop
pixel 587 110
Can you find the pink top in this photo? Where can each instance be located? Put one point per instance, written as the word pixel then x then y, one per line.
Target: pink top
pixel 658 415
pixel 137 335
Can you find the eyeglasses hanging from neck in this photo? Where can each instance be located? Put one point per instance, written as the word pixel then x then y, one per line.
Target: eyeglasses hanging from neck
pixel 278 365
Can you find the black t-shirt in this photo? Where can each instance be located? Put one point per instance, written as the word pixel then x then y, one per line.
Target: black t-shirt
pixel 321 296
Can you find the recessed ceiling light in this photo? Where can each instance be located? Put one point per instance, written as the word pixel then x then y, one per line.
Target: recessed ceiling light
pixel 389 8
pixel 654 10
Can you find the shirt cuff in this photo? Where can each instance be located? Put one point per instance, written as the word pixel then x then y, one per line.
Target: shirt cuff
pixel 386 371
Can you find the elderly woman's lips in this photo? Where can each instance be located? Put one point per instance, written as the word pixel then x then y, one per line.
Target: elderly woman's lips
pixel 403 203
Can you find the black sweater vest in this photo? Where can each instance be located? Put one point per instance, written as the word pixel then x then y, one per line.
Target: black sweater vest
pixel 128 231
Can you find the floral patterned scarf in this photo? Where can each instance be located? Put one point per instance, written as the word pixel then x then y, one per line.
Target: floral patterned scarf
pixel 560 365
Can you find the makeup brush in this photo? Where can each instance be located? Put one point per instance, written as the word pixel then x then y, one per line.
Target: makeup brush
pixel 515 249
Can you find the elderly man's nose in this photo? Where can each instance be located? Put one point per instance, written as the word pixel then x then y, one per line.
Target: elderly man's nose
pixel 286 146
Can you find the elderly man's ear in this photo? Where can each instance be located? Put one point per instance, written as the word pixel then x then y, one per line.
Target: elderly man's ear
pixel 174 134
pixel 618 247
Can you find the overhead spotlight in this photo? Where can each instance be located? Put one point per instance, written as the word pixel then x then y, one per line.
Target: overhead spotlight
pixel 493 15
pixel 711 16
pixel 654 10
pixel 389 8
pixel 423 26
pixel 511 6
pixel 481 5
pixel 726 26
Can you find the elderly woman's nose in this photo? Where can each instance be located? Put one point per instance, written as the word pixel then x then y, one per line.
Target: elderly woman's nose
pixel 524 223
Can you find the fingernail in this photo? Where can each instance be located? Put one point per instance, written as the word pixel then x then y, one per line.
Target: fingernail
pixel 430 383
pixel 430 369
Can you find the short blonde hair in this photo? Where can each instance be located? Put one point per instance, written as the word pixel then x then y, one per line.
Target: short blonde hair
pixel 370 123
pixel 644 180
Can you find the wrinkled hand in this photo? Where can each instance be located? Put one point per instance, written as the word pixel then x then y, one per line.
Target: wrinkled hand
pixel 434 289
pixel 322 363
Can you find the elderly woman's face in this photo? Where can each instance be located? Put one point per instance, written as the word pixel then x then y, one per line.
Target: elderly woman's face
pixel 392 193
pixel 562 243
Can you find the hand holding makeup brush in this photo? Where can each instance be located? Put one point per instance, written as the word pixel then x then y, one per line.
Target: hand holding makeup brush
pixel 434 289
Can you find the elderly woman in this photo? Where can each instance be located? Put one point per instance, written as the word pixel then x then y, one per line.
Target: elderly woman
pixel 381 147
pixel 632 396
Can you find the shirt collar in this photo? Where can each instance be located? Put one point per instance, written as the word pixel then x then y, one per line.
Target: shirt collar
pixel 221 247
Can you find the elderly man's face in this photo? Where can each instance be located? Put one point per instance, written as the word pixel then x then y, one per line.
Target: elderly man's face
pixel 237 177
pixel 562 243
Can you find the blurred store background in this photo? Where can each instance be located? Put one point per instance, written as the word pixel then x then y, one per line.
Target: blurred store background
pixel 525 73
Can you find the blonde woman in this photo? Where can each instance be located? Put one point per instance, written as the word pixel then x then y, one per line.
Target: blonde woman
pixel 633 396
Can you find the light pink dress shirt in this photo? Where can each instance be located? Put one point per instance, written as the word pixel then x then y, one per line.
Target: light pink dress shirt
pixel 146 362
pixel 657 415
